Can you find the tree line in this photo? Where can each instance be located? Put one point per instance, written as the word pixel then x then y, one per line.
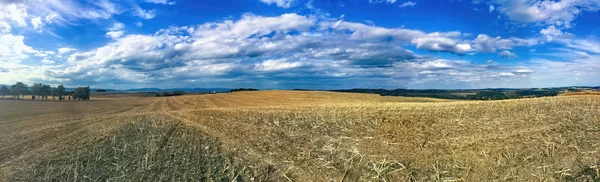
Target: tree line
pixel 40 91
pixel 469 94
pixel 168 94
pixel 243 89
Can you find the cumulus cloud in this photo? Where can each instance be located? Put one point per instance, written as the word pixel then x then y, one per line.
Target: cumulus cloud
pixel 221 47
pixel 115 34
pixel 46 61
pixel 276 51
pixel 507 54
pixel 367 32
pixel 279 3
pixel 12 13
pixel 485 43
pixel 442 42
pixel 559 13
pixel 36 22
pixel 282 47
pixel 276 65
pixel 65 50
pixel 13 49
pixel 117 26
pixel 144 14
pixel 116 31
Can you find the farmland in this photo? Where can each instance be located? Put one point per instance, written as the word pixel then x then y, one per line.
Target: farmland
pixel 300 136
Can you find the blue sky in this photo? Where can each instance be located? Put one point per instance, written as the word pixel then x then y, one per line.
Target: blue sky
pixel 286 44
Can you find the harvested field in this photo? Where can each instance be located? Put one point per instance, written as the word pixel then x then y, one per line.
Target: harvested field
pixel 300 136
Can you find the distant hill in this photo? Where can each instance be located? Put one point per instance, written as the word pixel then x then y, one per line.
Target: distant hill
pixel 152 89
pixel 178 89
pixel 473 94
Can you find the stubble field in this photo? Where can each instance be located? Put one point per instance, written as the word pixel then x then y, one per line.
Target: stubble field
pixel 300 136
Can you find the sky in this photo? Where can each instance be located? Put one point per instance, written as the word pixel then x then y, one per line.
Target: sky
pixel 308 44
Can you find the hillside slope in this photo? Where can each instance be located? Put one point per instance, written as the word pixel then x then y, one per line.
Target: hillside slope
pixel 308 136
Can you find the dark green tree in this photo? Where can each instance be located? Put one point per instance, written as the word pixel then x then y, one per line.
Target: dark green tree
pixel 46 91
pixel 19 89
pixel 60 91
pixel 36 89
pixel 54 93
pixel 4 90
pixel 82 93
pixel 14 92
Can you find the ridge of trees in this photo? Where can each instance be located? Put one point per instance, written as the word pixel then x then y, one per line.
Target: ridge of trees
pixel 40 91
pixel 243 89
pixel 469 94
pixel 168 94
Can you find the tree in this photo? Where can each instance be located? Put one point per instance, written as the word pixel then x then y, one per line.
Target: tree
pixel 54 93
pixel 14 92
pixel 36 89
pixel 19 89
pixel 60 91
pixel 45 91
pixel 82 93
pixel 4 90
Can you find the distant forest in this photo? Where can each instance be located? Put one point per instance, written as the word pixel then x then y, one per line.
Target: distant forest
pixel 40 91
pixel 472 94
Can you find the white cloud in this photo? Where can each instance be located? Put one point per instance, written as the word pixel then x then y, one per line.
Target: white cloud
pixel 279 3
pixel 506 74
pixel 38 14
pixel 382 1
pixel 115 34
pixel 66 11
pixel 407 4
pixel 507 54
pixel 585 45
pixel 117 26
pixel 559 13
pixel 160 2
pixel 139 24
pixel 255 49
pixel 437 64
pixel 144 14
pixel 492 8
pixel 13 49
pixel 577 72
pixel 12 13
pixel 523 71
pixel 116 31
pixel 485 43
pixel 277 65
pixel 46 61
pixel 365 32
pixel 65 50
pixel 36 22
pixel 442 42
pixel 551 32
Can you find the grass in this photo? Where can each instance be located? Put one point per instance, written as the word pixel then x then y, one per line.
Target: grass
pixel 581 93
pixel 149 148
pixel 304 136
